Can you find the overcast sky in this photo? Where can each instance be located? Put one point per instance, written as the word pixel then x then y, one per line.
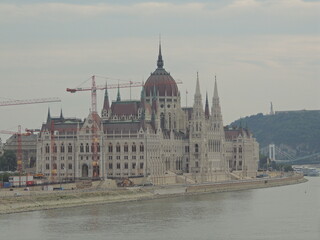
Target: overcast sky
pixel 260 50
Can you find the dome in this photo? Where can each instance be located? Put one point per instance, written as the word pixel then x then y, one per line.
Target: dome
pixel 161 80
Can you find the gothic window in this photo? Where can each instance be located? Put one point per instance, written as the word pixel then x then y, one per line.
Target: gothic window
pixel 162 120
pixel 62 148
pixel 47 148
pixel 126 165
pixel 169 120
pixel 54 148
pixel 141 147
pixel 118 147
pixel 69 148
pixel 81 147
pixel 118 165
pixel 110 148
pixel 141 165
pixel 98 147
pixel 47 166
pixel 110 166
pixel 54 166
pixel 134 147
pixel 87 130
pixel 87 147
pixel 133 165
pixel 62 166
pixel 70 166
pixel 125 148
pixel 196 148
pixel 240 149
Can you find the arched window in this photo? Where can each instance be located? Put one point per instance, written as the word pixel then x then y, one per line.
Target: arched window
pixel 118 147
pixel 162 120
pixel 81 147
pixel 69 148
pixel 62 148
pixel 196 148
pixel 87 147
pixel 134 147
pixel 125 147
pixel 54 166
pixel 92 147
pixel 47 148
pixel 240 149
pixel 110 148
pixel 141 147
pixel 98 147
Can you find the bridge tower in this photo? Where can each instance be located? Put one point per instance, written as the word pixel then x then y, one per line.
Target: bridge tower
pixel 272 152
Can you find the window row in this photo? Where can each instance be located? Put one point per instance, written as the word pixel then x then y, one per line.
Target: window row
pixel 126 165
pixel 125 147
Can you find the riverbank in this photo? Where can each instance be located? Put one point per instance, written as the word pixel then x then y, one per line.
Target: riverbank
pixel 21 201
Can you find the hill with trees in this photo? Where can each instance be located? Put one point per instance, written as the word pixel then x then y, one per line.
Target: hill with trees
pixel 297 132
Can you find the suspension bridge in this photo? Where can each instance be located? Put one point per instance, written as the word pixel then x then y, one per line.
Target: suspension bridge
pixel 279 156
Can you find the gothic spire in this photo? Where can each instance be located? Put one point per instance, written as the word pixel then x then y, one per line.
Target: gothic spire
pixel 198 86
pixel 160 61
pixel 215 94
pixel 61 115
pixel 206 111
pixel 118 95
pixel 216 115
pixel 106 99
pixel 49 115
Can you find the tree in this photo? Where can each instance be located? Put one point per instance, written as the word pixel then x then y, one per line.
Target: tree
pixel 8 161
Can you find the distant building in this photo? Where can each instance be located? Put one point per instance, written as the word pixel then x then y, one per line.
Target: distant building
pixel 153 137
pixel 242 153
pixel 28 147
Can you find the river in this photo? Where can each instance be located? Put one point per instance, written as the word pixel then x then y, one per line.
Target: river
pixel 287 212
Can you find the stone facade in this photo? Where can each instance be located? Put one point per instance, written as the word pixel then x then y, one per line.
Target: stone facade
pixel 153 137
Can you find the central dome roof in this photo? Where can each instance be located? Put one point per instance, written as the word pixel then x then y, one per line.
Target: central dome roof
pixel 161 81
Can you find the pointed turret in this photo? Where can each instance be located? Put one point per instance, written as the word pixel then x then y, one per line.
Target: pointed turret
pixel 198 86
pixel 216 116
pixel 106 104
pixel 206 110
pixel 61 114
pixel 118 95
pixel 49 115
pixel 160 60
pixel 215 93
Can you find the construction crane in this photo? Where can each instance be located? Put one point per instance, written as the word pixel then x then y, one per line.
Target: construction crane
pixel 28 101
pixel 19 135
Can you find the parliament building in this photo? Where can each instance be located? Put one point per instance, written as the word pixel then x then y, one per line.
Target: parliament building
pixel 152 138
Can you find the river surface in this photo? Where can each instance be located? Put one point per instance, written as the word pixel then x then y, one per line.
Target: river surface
pixel 287 212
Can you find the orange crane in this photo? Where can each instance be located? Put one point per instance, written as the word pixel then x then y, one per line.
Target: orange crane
pixel 94 114
pixel 19 150
pixel 28 101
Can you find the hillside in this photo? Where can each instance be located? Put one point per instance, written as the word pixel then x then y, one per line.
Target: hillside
pixel 295 131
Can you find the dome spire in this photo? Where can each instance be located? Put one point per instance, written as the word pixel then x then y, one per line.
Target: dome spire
pixel 160 61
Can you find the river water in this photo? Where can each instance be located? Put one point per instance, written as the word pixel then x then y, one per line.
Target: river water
pixel 287 212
